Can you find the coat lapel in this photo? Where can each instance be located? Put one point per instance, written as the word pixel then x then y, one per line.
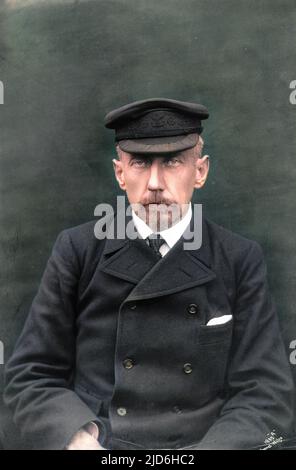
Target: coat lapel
pixel 134 261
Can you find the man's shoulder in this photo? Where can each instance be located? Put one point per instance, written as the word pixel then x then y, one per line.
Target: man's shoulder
pixel 78 246
pixel 79 239
pixel 225 234
pixel 232 243
pixel 81 233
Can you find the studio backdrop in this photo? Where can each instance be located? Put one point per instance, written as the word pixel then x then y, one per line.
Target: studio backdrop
pixel 64 64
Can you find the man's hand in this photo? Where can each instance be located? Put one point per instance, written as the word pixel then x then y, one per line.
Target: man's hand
pixel 86 439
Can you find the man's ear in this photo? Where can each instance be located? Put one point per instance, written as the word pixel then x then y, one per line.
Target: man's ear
pixel 202 170
pixel 118 170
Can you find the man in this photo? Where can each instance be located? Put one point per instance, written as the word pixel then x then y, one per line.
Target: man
pixel 140 343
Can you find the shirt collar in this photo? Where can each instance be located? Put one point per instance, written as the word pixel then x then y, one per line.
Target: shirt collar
pixel 170 235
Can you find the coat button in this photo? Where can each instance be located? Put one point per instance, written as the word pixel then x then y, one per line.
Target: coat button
pixel 128 363
pixel 187 368
pixel 121 411
pixel 192 309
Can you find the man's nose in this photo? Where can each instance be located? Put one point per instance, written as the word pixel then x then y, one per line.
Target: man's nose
pixel 156 177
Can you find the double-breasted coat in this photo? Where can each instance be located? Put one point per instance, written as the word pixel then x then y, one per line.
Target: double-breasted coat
pixel 117 337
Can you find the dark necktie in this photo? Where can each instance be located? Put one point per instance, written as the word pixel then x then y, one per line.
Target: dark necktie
pixel 155 241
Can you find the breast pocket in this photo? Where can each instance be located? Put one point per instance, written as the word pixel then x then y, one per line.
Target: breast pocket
pixel 215 333
pixel 89 398
pixel 213 349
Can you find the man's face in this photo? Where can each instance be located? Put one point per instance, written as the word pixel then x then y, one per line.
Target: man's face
pixel 160 184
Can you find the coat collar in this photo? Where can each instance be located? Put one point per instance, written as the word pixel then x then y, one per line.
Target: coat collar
pixel 134 261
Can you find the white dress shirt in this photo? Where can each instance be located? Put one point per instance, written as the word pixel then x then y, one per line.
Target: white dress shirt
pixel 170 235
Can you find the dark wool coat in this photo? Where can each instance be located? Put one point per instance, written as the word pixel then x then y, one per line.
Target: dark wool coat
pixel 115 337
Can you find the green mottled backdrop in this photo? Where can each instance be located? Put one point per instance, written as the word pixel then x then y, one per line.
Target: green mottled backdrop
pixel 64 64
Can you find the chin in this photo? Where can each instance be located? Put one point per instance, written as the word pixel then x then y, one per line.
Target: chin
pixel 159 220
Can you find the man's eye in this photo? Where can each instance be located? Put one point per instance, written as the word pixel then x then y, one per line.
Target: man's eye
pixel 140 163
pixel 172 162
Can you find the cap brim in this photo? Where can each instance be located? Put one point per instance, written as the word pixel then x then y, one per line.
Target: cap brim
pixel 166 144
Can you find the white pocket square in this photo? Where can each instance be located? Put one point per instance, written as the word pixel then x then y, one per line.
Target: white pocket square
pixel 219 320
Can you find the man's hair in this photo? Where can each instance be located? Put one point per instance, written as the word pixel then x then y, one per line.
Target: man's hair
pixel 118 150
pixel 199 146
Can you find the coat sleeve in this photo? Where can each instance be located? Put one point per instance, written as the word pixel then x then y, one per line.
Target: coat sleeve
pixel 38 375
pixel 259 384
